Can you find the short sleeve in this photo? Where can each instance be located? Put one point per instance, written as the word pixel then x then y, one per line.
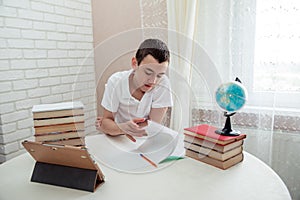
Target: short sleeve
pixel 162 96
pixel 110 100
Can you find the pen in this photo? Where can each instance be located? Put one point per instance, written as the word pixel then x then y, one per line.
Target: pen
pixel 148 160
pixel 131 137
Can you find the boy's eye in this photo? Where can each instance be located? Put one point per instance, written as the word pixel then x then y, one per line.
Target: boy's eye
pixel 151 73
pixel 148 72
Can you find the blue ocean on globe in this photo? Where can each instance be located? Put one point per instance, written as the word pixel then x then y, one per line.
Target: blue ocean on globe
pixel 231 96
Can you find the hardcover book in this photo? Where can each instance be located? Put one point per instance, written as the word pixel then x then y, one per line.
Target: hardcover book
pixel 207 132
pixel 69 142
pixel 213 145
pixel 222 156
pixel 40 130
pixel 203 144
pixel 59 121
pixel 55 107
pixel 59 136
pixel 214 162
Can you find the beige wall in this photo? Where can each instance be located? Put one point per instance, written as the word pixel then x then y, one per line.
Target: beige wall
pixel 117 34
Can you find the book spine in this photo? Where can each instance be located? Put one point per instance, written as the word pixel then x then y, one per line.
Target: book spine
pixel 59 136
pixel 205 143
pixel 40 130
pixel 65 141
pixel 212 153
pixel 59 113
pixel 59 120
pixel 207 132
pixel 191 134
pixel 216 163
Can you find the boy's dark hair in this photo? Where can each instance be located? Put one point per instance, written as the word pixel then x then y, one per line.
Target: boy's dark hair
pixel 156 48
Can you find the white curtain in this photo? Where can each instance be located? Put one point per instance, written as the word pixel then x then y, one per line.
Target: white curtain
pixel 181 25
pixel 197 38
pixel 213 41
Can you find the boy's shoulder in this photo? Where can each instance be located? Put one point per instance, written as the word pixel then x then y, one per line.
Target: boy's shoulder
pixel 117 76
pixel 165 82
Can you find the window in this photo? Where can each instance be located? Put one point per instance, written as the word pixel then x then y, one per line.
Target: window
pixel 257 41
pixel 276 72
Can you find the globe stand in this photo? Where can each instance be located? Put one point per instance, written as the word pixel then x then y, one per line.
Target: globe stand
pixel 227 131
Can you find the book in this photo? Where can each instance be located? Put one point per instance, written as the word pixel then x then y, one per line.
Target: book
pixel 73 105
pixel 59 120
pixel 59 136
pixel 213 145
pixel 40 130
pixel 214 162
pixel 69 142
pixel 212 153
pixel 57 110
pixel 59 123
pixel 59 113
pixel 207 132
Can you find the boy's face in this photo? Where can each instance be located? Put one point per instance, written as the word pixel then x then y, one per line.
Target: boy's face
pixel 148 73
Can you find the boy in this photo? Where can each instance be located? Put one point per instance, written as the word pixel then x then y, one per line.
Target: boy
pixel 131 97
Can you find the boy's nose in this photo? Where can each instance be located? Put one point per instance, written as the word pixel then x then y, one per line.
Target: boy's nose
pixel 152 79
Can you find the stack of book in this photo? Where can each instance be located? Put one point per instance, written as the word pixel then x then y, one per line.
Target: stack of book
pixel 203 144
pixel 59 123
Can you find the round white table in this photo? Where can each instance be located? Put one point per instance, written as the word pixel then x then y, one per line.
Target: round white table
pixel 183 179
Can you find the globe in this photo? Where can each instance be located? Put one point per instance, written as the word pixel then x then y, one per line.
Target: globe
pixel 231 97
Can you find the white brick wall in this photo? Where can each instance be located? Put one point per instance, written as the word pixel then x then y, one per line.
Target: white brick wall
pixel 46 56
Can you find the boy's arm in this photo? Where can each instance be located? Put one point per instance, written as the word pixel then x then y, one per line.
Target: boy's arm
pixel 110 127
pixel 108 124
pixel 157 114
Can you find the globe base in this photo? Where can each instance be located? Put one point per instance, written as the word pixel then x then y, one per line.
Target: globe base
pixel 227 131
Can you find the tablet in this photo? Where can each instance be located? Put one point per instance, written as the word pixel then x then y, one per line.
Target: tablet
pixel 60 164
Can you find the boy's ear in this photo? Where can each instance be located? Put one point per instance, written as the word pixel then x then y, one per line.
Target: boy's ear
pixel 134 63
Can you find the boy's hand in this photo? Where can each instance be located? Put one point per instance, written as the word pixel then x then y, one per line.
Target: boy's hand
pixel 98 123
pixel 142 122
pixel 133 128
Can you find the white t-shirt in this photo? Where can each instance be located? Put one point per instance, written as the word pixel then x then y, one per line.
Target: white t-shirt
pixel 118 100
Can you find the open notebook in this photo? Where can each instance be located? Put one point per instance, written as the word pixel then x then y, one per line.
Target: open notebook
pixel 122 154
